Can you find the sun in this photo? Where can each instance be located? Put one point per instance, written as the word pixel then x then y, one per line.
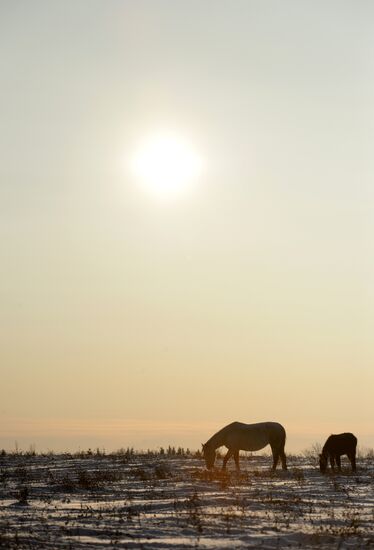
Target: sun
pixel 166 165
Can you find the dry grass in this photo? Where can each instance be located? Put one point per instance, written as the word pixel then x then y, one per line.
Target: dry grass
pixel 94 500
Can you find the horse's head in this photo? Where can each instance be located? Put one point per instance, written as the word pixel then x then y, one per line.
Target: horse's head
pixel 322 463
pixel 209 456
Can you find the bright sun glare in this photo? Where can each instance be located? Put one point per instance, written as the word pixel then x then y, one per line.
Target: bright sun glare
pixel 166 165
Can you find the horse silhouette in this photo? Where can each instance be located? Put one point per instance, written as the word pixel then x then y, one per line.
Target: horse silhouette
pixel 337 445
pixel 247 437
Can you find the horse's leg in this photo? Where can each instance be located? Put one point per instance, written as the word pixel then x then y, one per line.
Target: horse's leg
pixel 236 458
pixel 352 458
pixel 338 463
pixel 275 451
pixel 332 462
pixel 226 458
pixel 282 455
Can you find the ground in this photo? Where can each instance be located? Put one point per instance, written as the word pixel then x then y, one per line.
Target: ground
pixel 126 500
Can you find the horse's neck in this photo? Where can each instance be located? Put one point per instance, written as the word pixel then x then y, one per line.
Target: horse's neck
pixel 217 440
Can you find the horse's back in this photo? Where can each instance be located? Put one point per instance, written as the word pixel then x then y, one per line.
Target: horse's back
pixel 253 437
pixel 340 443
pixel 268 427
pixel 236 424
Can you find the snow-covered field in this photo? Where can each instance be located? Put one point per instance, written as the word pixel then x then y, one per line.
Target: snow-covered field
pixel 153 501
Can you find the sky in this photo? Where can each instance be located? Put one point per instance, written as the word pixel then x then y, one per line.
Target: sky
pixel 131 319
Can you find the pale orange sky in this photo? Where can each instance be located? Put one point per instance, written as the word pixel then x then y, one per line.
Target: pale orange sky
pixel 127 320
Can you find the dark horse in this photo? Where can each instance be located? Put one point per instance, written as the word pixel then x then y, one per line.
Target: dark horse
pixel 336 446
pixel 247 437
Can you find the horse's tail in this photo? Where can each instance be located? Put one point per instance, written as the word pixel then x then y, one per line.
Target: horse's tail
pixel 278 437
pixel 282 453
pixel 283 436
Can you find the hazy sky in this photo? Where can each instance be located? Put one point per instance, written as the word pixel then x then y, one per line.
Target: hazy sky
pixel 129 320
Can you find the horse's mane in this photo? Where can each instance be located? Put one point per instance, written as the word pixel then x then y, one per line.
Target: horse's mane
pixel 220 433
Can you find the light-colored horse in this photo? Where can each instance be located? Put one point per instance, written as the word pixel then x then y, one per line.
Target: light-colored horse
pixel 247 437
